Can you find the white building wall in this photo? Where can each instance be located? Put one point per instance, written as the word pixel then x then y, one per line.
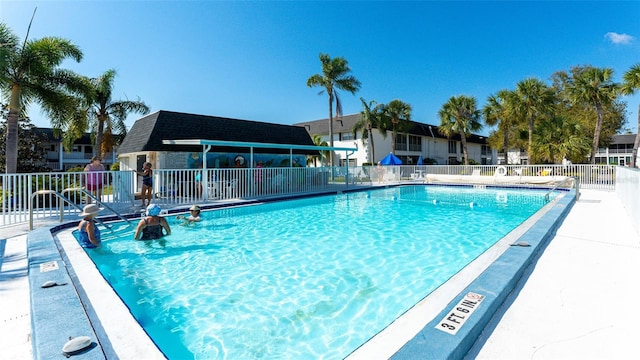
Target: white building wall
pixel 431 147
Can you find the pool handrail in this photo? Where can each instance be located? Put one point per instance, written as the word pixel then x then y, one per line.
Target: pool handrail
pixel 556 186
pixel 62 197
pixel 98 201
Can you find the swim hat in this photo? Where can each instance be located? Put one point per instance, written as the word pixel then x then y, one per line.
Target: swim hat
pixel 153 210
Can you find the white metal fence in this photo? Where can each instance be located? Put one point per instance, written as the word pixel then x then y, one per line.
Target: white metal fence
pixel 599 177
pixel 188 186
pixel 121 189
pixel 628 191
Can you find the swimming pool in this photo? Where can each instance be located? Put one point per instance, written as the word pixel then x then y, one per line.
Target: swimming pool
pixel 344 267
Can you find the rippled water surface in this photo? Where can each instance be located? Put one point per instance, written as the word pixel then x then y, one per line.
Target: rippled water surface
pixel 303 279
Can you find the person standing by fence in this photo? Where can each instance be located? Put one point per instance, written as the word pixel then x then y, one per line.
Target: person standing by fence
pixel 147 184
pixel 94 178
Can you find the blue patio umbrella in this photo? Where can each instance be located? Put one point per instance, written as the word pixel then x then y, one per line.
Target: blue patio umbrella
pixel 391 160
pixel 420 161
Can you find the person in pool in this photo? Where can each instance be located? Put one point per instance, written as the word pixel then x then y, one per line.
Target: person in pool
pixel 89 232
pixel 194 215
pixel 151 226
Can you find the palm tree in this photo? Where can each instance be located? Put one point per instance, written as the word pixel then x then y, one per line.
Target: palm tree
pixel 595 87
pixel 108 116
pixel 631 83
pixel 499 111
pixel 460 116
pixel 334 76
pixel 322 154
pixel 560 137
pixel 534 99
pixel 29 72
pixel 399 113
pixel 370 117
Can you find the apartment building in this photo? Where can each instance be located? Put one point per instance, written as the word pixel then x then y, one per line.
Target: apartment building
pixel 57 159
pixel 420 140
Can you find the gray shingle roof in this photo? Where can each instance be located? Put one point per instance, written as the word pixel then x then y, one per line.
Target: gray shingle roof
pixel 148 132
pixel 51 137
pixel 623 139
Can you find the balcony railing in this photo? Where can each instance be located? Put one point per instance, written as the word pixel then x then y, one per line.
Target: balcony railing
pixel 602 152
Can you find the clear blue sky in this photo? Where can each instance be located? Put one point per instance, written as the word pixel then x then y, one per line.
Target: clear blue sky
pixel 251 60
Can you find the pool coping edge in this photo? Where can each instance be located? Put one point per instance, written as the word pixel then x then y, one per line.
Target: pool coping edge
pixel 497 283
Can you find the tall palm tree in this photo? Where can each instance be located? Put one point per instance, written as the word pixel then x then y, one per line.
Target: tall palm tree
pixel 334 76
pixel 499 111
pixel 631 83
pixel 29 72
pixel 460 115
pixel 595 87
pixel 370 117
pixel 106 115
pixel 399 113
pixel 534 100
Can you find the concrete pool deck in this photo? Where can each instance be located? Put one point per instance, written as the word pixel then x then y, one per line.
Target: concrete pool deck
pixel 576 302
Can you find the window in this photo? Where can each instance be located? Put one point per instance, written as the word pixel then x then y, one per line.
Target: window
pixel 88 149
pixel 52 147
pixel 486 150
pixel 346 136
pixel 76 148
pixel 415 143
pixel 401 142
pixel 352 162
pixel 452 147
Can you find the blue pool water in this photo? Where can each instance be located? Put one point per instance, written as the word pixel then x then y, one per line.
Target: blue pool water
pixel 303 279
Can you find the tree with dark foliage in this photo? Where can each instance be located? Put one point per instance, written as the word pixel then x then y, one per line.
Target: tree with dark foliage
pixel 31 154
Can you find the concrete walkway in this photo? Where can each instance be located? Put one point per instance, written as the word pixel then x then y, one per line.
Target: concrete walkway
pixel 578 302
pixel 15 331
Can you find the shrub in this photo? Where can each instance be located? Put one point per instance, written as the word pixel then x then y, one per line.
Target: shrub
pixel 76 169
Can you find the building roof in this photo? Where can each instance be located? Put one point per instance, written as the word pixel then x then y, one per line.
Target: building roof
pixel 50 136
pixel 148 133
pixel 623 139
pixel 347 122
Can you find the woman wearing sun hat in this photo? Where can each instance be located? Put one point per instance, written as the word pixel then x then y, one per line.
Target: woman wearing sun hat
pixel 89 232
pixel 151 226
